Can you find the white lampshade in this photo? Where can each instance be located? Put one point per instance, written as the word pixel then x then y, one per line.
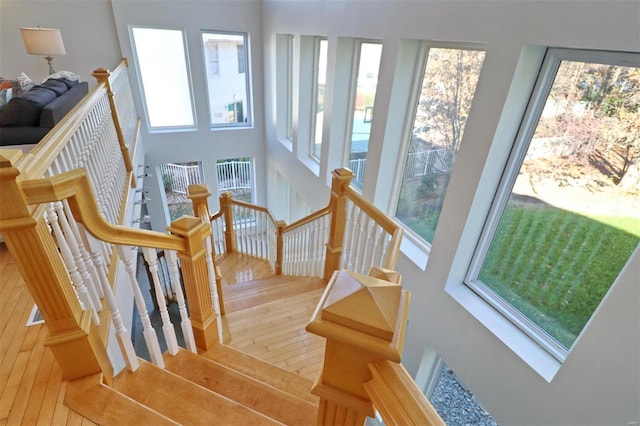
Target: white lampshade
pixel 43 41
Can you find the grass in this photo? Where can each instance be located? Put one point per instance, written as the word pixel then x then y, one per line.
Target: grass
pixel 555 266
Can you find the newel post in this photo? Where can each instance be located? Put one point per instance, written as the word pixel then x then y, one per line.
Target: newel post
pixel 102 76
pixel 193 262
pixel 199 195
pixel 341 178
pixel 363 318
pixel 229 233
pixel 73 338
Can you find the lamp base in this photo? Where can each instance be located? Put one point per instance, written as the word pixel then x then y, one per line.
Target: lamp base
pixel 49 60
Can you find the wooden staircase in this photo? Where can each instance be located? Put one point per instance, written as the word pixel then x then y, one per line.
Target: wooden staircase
pixel 223 386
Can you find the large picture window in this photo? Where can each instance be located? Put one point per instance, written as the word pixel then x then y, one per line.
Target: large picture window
pixel 448 85
pixel 156 70
pixel 225 57
pixel 364 96
pixel 319 80
pixel 565 219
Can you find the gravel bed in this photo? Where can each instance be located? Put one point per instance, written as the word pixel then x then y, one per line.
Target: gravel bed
pixel 456 405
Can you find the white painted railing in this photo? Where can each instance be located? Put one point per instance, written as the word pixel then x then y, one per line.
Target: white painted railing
pixel 304 246
pixel 255 231
pixel 421 163
pixel 178 177
pixel 366 242
pixel 234 175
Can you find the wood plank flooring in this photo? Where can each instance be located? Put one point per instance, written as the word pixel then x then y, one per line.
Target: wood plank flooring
pixel 31 386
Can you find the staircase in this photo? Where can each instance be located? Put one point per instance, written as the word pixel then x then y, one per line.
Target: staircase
pixel 225 386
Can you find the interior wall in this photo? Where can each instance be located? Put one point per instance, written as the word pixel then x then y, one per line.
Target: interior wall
pixel 90 42
pixel 599 383
pixel 203 144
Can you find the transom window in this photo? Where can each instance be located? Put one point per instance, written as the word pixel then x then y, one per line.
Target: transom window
pixel 565 219
pixel 225 58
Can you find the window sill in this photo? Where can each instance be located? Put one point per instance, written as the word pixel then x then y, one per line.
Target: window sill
pixel 287 143
pixel 311 164
pixel 224 128
pixel 415 251
pixel 541 361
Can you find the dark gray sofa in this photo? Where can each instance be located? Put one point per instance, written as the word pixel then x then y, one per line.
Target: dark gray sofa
pixel 27 118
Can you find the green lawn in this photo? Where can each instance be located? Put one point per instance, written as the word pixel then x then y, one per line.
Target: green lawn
pixel 555 266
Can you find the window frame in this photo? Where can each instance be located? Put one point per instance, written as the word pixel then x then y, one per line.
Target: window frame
pixel 317 40
pixel 544 82
pixel 134 48
pixel 419 248
pixel 353 93
pixel 248 110
pixel 284 88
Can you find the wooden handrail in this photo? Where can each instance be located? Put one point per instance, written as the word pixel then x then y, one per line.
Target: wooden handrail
pixel 254 207
pixel 398 398
pixel 75 187
pixel 383 220
pixel 307 219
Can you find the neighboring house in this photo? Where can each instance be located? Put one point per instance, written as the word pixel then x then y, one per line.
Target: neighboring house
pixel 509 373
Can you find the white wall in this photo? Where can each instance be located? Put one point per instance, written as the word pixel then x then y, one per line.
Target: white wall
pixel 87 28
pixel 599 383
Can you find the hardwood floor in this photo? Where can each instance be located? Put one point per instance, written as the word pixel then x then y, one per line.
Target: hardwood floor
pixel 31 386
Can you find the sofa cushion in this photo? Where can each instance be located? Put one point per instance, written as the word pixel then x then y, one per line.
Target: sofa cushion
pixel 39 95
pixel 57 86
pixel 55 111
pixel 20 112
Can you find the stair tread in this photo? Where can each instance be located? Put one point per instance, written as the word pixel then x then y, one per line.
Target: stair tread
pixel 263 371
pixel 246 390
pixel 183 401
pixel 257 292
pixel 106 406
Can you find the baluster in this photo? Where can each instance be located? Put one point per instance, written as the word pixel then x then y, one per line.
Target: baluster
pixel 74 245
pixel 167 328
pixel 76 278
pixel 82 248
pixel 375 260
pixel 211 273
pixel 149 334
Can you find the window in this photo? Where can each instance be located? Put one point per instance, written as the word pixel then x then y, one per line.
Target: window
pixel 364 96
pixel 565 219
pixel 319 81
pixel 235 175
pixel 213 63
pixel 225 57
pixel 448 85
pixel 284 86
pixel 176 178
pixel 156 70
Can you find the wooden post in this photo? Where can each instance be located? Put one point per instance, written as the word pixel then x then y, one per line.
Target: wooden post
pixel 196 279
pixel 102 75
pixel 340 181
pixel 363 319
pixel 199 195
pixel 73 337
pixel 229 233
pixel 279 246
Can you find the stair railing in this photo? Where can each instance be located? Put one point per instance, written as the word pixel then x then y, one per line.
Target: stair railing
pixel 363 318
pixel 59 214
pixel 349 233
